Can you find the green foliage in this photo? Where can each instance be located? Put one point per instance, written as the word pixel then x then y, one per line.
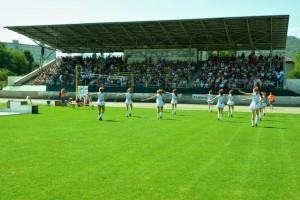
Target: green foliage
pixel 4 73
pixel 30 59
pixel 292 46
pixel 2 45
pixel 14 61
pixel 65 153
pixel 34 66
pixel 295 73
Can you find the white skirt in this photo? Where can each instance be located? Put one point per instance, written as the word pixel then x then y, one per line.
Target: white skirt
pixel 101 103
pixel 159 104
pixel 210 101
pixel 220 105
pixel 254 106
pixel 173 101
pixel 230 103
pixel 128 102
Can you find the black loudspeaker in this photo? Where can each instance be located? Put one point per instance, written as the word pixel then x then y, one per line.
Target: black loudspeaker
pixel 35 109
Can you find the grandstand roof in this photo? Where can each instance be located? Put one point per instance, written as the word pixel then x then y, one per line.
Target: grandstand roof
pixel 232 33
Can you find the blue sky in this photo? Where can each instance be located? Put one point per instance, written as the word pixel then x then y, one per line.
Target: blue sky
pixel 41 12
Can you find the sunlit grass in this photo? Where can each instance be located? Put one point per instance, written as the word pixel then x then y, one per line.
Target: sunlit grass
pixel 65 153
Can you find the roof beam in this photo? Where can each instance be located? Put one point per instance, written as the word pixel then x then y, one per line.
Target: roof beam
pixel 184 29
pixel 227 32
pixel 47 34
pixel 128 34
pixel 93 36
pixel 206 32
pixel 166 33
pixel 249 33
pixel 146 33
pixel 107 31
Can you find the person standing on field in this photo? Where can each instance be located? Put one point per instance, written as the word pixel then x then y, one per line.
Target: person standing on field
pixel 100 102
pixel 173 101
pixel 160 98
pixel 128 101
pixel 255 105
pixel 220 104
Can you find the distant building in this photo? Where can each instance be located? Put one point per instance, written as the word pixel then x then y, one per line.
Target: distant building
pixel 34 49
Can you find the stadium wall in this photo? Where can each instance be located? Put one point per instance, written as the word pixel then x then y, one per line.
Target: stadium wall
pixel 293 84
pixel 196 97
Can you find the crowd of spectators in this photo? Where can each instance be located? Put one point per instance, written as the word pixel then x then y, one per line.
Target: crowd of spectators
pixel 240 72
pixel 112 71
pixel 216 72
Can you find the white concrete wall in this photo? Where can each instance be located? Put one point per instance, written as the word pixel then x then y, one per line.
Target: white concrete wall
pixel 293 84
pixel 289 101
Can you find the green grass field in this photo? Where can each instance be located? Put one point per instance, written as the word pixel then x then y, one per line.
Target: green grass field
pixel 65 153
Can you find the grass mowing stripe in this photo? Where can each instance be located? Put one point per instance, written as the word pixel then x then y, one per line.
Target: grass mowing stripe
pixel 66 153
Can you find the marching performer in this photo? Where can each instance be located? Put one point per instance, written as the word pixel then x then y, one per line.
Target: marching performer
pixel 254 106
pixel 160 98
pixel 128 101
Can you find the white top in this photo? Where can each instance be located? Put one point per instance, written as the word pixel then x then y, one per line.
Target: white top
pixel 220 99
pixel 159 98
pixel 101 96
pixel 255 98
pixel 174 97
pixel 209 96
pixel 230 97
pixel 128 96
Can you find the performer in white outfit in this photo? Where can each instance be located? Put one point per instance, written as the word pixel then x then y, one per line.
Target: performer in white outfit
pixel 230 103
pixel 160 98
pixel 220 104
pixel 173 101
pixel 128 101
pixel 100 102
pixel 254 106
pixel 210 102
pixel 263 104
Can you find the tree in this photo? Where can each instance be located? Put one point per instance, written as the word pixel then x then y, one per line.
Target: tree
pixel 14 61
pixel 20 63
pixel 30 59
pixel 4 73
pixel 5 58
pixel 295 73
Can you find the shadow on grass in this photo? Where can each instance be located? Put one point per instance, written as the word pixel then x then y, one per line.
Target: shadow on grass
pixel 138 117
pixel 272 127
pixel 238 117
pixel 267 120
pixel 234 122
pixel 169 119
pixel 110 120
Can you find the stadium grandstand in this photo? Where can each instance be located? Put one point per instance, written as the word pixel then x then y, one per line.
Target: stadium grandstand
pixel 164 54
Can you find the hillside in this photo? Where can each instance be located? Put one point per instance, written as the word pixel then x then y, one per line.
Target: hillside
pixel 292 46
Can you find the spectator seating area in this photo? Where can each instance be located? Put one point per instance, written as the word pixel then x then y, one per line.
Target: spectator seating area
pixel 240 72
pixel 216 72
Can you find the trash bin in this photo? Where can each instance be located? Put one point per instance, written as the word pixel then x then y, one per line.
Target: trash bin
pixel 8 104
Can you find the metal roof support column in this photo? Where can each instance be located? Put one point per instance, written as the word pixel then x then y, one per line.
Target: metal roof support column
pixel 271 46
pixel 102 53
pixel 200 55
pixel 42 56
pixel 284 71
pixel 189 62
